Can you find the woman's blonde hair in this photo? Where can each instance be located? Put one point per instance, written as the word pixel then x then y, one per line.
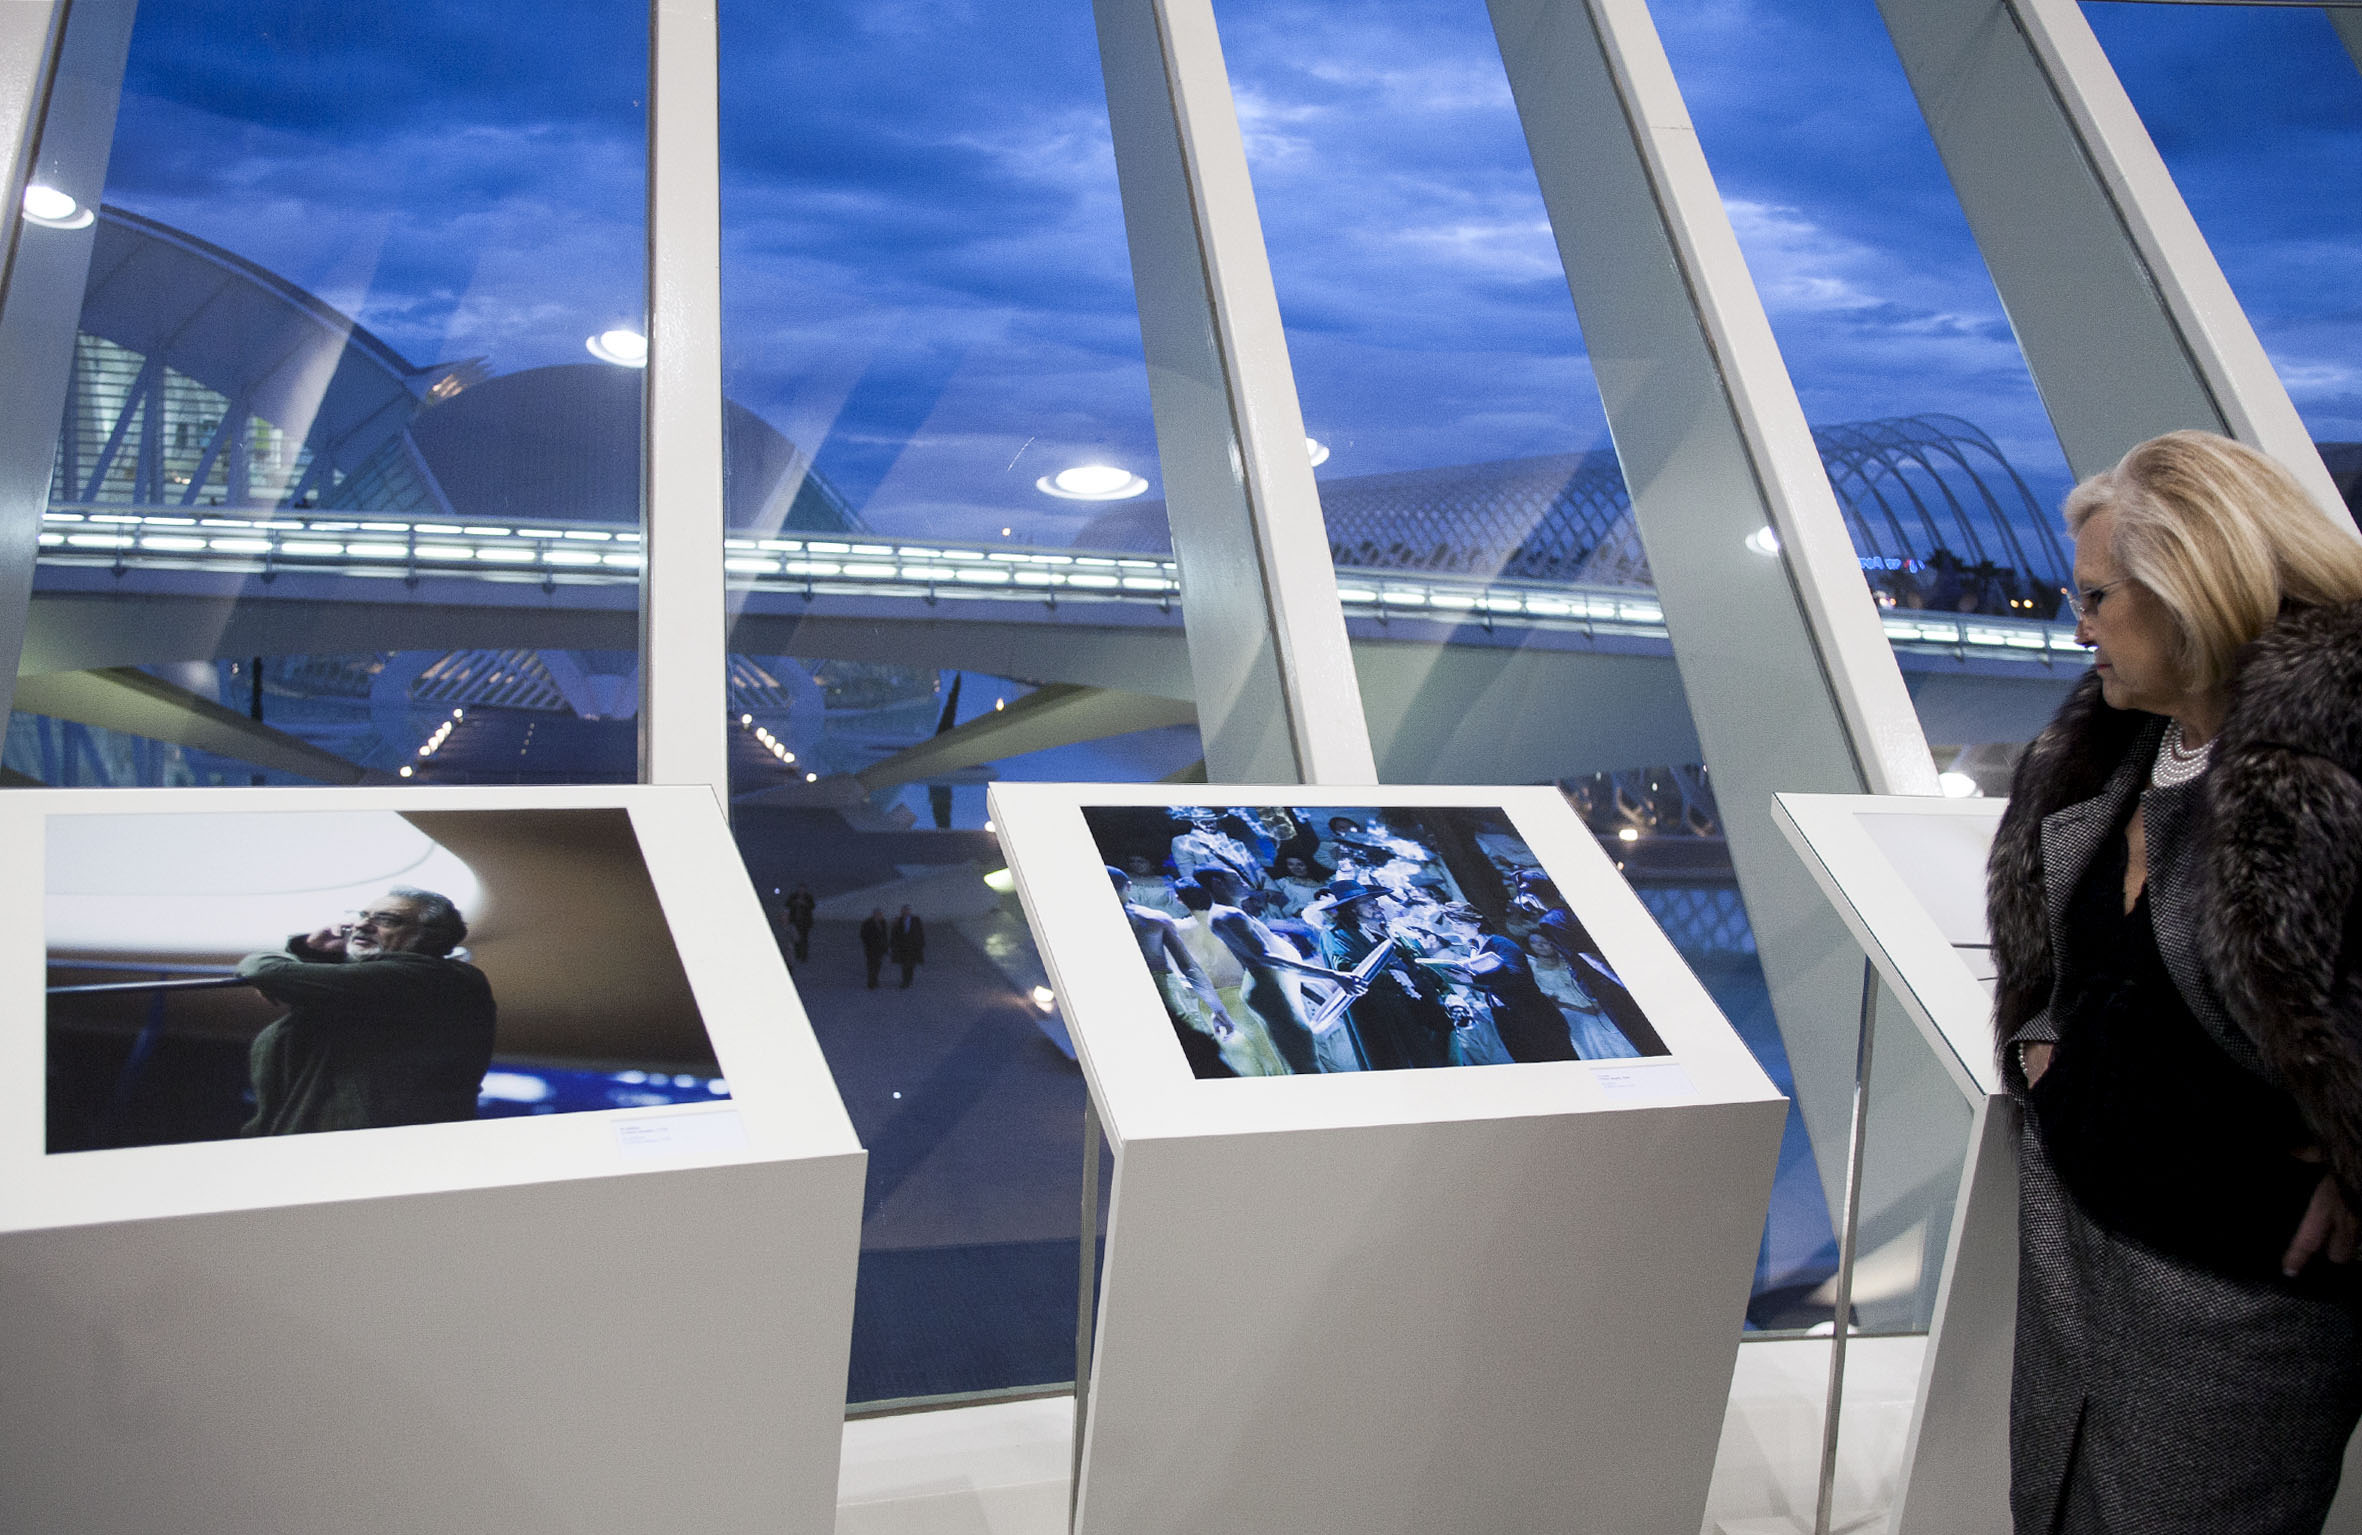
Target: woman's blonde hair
pixel 2223 536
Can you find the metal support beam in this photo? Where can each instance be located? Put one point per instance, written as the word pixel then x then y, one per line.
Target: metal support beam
pixel 2348 21
pixel 1787 671
pixel 143 386
pixel 2126 321
pixel 1058 715
pixel 684 682
pixel 135 703
pixel 1276 699
pixel 58 88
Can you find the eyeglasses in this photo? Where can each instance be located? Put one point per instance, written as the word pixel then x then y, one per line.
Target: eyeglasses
pixel 2086 603
pixel 380 919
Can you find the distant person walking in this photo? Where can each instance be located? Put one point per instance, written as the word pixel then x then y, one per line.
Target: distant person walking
pixel 800 905
pixel 909 943
pixel 876 937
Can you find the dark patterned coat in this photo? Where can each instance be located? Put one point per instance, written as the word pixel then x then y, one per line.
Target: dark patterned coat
pixel 2150 1394
pixel 2262 929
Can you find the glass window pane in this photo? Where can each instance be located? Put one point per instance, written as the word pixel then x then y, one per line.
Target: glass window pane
pixel 1936 440
pixel 2258 113
pixel 941 455
pixel 348 468
pixel 1500 601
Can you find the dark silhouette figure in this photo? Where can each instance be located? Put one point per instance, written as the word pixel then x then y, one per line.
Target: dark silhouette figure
pixel 876 937
pixel 800 905
pixel 909 943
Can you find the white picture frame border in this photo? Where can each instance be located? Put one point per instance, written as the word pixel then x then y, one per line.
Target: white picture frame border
pixel 1142 1081
pixel 783 1101
pixel 1134 1063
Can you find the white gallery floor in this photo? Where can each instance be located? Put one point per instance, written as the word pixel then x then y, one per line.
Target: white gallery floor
pixel 1002 1469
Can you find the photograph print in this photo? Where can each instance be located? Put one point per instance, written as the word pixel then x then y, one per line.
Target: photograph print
pixel 1290 940
pixel 234 974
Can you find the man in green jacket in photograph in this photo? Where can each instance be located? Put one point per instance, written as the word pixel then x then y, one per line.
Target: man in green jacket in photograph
pixel 383 1026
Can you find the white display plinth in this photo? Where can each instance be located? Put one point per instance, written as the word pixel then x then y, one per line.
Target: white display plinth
pixel 1504 1297
pixel 1907 874
pixel 619 1320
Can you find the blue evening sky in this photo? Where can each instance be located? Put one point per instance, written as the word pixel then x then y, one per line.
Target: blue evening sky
pixel 926 279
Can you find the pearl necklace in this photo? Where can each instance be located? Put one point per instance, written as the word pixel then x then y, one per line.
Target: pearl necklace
pixel 2176 763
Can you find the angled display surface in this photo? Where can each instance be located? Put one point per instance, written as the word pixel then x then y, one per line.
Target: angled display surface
pixel 562 898
pixel 1140 1075
pixel 1555 1253
pixel 215 975
pixel 1358 939
pixel 1908 877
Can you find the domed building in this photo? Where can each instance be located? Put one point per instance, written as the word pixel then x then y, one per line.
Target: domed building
pixel 204 384
pixel 1938 516
pixel 202 379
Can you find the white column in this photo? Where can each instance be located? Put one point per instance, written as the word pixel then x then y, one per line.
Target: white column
pixel 1789 674
pixel 58 91
pixel 684 689
pixel 2126 321
pixel 1274 680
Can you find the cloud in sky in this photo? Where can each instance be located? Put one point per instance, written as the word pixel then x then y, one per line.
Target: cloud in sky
pixel 925 264
pixel 2258 113
pixel 462 184
pixel 1428 321
pixel 926 278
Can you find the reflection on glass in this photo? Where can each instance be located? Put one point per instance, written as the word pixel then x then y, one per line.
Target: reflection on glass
pixel 334 465
pixel 929 320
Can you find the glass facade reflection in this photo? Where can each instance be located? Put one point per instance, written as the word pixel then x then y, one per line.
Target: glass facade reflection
pixel 928 306
pixel 339 490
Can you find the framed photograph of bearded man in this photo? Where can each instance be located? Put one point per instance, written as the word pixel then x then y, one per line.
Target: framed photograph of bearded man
pixel 236 973
pixel 1299 939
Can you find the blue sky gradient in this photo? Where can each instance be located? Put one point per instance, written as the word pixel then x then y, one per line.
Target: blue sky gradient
pixel 926 279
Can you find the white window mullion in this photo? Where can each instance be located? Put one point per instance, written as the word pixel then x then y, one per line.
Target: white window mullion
pixel 683 625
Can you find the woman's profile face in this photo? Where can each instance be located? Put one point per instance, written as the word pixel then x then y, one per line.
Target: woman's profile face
pixel 2132 636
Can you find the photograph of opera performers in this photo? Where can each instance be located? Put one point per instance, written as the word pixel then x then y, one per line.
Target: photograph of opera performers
pixel 1289 940
pixel 219 975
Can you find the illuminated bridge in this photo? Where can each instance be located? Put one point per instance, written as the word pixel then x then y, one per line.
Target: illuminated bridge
pixel 245 473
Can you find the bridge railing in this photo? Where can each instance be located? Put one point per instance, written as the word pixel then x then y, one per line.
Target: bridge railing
pixel 270 541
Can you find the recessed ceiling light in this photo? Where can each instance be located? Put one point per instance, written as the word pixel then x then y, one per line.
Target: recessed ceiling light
pixel 1318 450
pixel 1764 541
pixel 1959 786
pixel 53 209
pixel 624 348
pixel 1092 482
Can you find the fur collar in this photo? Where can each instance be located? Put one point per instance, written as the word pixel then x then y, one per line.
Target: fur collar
pixel 2281 861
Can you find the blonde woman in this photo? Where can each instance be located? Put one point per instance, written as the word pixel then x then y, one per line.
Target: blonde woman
pixel 2179 1010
